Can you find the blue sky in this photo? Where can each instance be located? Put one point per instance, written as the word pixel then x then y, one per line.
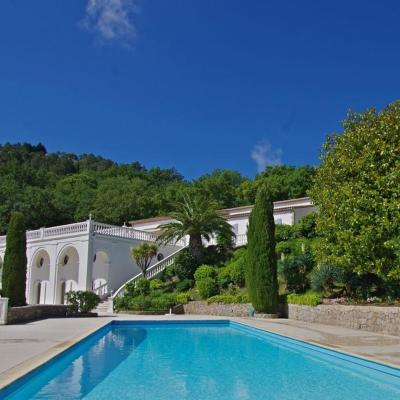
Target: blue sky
pixel 195 85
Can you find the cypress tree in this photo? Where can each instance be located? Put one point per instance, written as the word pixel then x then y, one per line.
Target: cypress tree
pixel 261 263
pixel 14 270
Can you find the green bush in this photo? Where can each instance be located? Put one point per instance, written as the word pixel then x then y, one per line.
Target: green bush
pixel 205 271
pixel 184 285
pixel 207 287
pixel 156 284
pixel 229 298
pixel 169 273
pixel 283 233
pixel 206 281
pixel 138 303
pixel 306 299
pixel 234 272
pixel 163 302
pixel 14 268
pixel 183 298
pixel 82 301
pixel 142 286
pixel 326 277
pixel 306 227
pixel 295 272
pixel 185 265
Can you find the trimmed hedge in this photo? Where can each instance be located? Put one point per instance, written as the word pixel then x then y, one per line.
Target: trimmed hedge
pixel 229 299
pixel 306 299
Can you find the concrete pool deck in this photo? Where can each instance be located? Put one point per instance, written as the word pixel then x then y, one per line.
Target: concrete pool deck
pixel 24 347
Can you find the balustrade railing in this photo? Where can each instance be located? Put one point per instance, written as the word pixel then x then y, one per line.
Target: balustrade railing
pixel 123 232
pixel 102 291
pixel 241 240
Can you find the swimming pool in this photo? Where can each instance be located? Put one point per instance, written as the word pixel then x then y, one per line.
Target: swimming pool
pixel 194 360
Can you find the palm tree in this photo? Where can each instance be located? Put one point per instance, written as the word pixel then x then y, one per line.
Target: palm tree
pixel 198 218
pixel 143 256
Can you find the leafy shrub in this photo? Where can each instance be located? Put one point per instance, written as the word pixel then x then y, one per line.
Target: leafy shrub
pixel 142 286
pixel 229 298
pixel 156 284
pixel 163 302
pixel 184 285
pixel 185 265
pixel 283 233
pixel 183 298
pixel 234 272
pixel 139 303
pixel 169 273
pixel 205 271
pixel 82 301
pixel 223 298
pixel 307 299
pixel 306 227
pixel 325 278
pixel 206 281
pixel 207 287
pixel 217 255
pixel 295 272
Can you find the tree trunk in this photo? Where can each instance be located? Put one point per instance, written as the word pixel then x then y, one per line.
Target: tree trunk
pixel 196 247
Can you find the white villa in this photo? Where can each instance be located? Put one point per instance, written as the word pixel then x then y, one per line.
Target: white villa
pixel 94 256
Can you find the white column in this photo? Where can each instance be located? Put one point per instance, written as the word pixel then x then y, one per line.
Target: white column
pixel 85 264
pixel 3 310
pixel 51 290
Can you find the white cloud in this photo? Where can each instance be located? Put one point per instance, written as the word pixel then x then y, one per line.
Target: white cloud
pixel 111 20
pixel 264 154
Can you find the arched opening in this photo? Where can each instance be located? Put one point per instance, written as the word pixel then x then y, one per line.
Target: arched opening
pixel 101 266
pixel 39 276
pixel 67 273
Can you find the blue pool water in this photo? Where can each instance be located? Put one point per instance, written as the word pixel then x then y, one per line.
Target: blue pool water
pixel 203 360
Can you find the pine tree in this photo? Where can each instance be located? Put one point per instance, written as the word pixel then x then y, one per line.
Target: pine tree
pixel 14 270
pixel 261 263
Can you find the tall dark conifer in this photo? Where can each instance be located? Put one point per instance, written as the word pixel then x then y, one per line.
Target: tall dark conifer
pixel 14 270
pixel 261 263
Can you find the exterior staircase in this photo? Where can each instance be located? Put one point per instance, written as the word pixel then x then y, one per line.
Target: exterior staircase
pixel 152 272
pixel 103 308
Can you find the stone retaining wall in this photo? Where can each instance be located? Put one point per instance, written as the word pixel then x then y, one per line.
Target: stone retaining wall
pixel 370 318
pixel 223 310
pixel 35 312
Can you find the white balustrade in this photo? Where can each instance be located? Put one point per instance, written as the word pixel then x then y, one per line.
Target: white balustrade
pixel 240 240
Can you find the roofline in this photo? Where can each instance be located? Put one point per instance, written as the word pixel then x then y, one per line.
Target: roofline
pixel 227 210
pixel 151 219
pixel 275 203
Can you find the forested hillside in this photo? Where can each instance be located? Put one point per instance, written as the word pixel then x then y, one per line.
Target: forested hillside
pixel 60 188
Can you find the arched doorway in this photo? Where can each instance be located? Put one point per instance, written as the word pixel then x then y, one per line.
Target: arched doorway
pixel 67 272
pixel 39 277
pixel 100 273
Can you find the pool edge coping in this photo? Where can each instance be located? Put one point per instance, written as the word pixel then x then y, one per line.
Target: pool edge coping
pixel 306 343
pixel 21 370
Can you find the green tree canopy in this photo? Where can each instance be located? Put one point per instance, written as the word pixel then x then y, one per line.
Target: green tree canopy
pixel 261 263
pixel 198 218
pixel 357 191
pixel 143 255
pixel 14 270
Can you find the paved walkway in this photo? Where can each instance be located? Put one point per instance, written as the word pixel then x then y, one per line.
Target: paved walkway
pixel 26 346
